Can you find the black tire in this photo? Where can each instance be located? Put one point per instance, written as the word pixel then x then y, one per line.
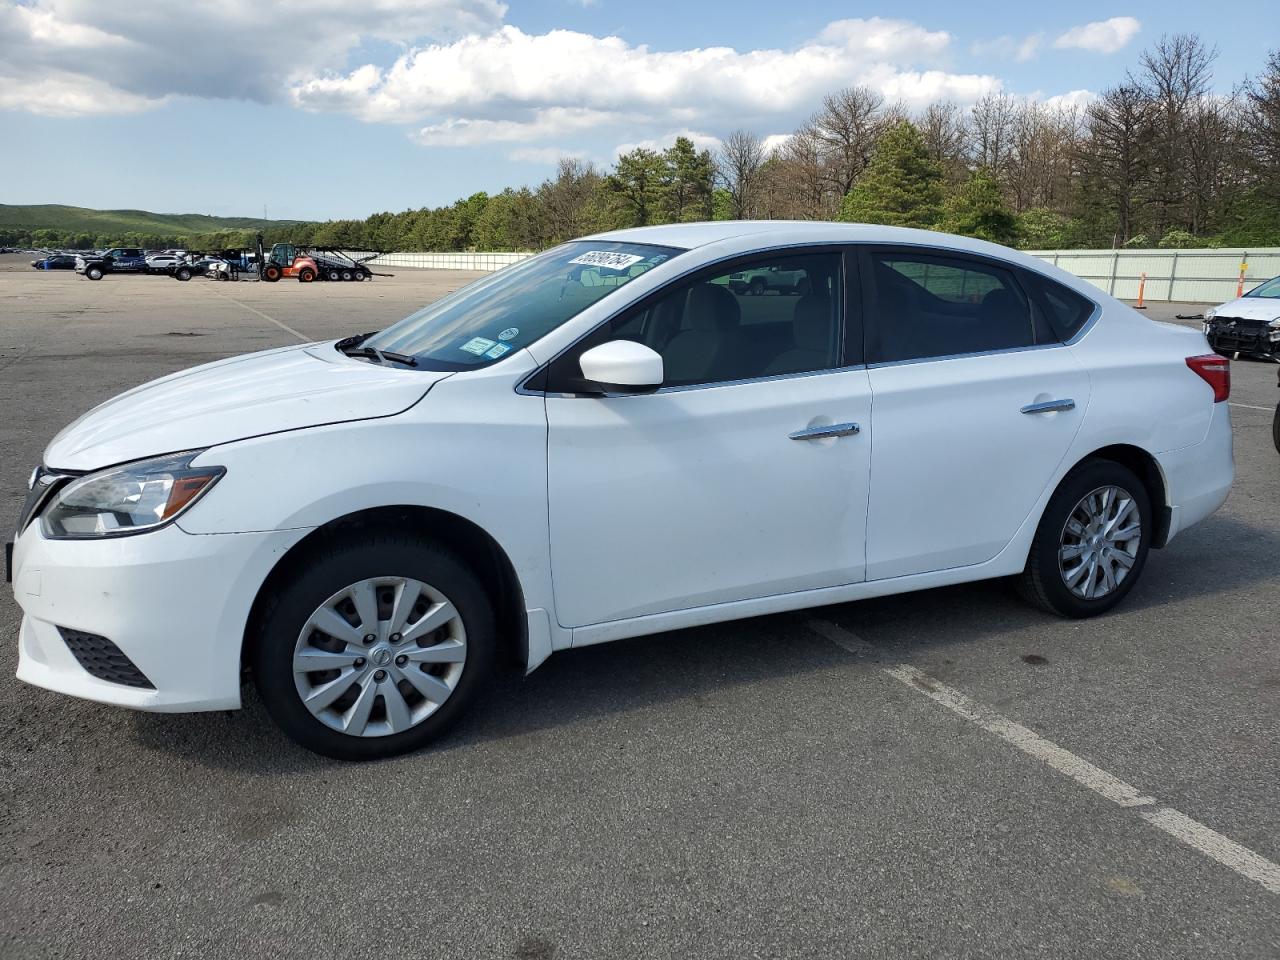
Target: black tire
pixel 346 274
pixel 271 273
pixel 93 273
pixel 1042 582
pixel 306 275
pixel 758 287
pixel 361 275
pixel 335 275
pixel 328 570
pixel 183 274
pixel 1275 429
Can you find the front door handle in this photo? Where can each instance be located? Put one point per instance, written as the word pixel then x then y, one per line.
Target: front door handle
pixel 823 432
pixel 1050 406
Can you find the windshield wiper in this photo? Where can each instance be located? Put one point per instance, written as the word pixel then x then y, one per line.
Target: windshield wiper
pixel 382 356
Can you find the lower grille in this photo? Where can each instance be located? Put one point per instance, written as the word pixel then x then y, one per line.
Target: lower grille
pixel 103 659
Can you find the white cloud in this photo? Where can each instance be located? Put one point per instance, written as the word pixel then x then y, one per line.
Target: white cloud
pixel 545 156
pixel 1101 36
pixel 775 142
pixel 507 81
pixel 142 53
pixel 1072 99
pixel 551 122
pixel 702 141
pixel 69 95
pixel 1009 48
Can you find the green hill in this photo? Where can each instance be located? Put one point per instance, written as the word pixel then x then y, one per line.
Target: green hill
pixel 63 219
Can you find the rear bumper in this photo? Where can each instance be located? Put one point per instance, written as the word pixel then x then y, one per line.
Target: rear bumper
pixel 1199 477
pixel 175 604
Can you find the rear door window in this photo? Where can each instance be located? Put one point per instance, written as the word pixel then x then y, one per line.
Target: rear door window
pixel 930 305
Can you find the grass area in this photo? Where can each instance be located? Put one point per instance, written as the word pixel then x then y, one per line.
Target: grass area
pixel 54 216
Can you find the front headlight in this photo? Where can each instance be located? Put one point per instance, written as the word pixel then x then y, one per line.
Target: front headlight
pixel 1211 313
pixel 130 499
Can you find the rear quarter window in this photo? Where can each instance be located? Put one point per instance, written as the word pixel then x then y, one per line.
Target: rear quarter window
pixel 1065 310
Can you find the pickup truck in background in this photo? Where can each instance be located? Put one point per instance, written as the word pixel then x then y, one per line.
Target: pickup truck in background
pixel 116 260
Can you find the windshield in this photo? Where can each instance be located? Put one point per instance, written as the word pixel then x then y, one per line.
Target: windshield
pixel 1269 289
pixel 510 309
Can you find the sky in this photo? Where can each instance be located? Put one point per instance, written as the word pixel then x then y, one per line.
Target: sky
pixel 342 108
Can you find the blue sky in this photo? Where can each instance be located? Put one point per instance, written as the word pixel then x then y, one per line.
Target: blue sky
pixel 391 104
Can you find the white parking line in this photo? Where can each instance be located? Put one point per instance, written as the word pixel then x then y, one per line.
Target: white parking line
pixel 1178 825
pixel 1248 406
pixel 283 326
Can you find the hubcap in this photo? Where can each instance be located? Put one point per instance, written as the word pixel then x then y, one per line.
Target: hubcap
pixel 380 656
pixel 1099 542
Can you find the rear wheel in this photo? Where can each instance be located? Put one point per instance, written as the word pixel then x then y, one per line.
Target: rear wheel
pixel 374 647
pixel 306 275
pixel 183 274
pixel 94 273
pixel 1092 542
pixel 335 275
pixel 1275 429
pixel 346 274
pixel 361 275
pixel 271 273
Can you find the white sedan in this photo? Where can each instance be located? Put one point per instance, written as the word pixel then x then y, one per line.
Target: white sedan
pixel 537 462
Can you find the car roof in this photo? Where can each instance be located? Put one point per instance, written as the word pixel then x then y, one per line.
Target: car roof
pixel 689 236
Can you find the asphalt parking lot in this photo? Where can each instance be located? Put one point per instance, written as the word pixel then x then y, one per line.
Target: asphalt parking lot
pixel 865 780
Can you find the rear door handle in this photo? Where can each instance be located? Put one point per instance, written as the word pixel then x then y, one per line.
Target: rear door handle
pixel 1050 406
pixel 830 430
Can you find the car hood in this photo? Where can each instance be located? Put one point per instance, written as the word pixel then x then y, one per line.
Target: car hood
pixel 1250 308
pixel 247 396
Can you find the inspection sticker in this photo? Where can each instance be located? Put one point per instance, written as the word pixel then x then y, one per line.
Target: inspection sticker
pixel 509 334
pixel 607 259
pixel 477 345
pixel 497 350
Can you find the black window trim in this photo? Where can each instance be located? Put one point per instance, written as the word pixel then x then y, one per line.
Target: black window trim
pixel 849 260
pixel 871 313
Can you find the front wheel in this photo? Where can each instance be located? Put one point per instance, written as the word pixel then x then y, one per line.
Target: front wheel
pixel 1092 542
pixel 94 273
pixel 373 647
pixel 183 274
pixel 1275 429
pixel 306 275
pixel 271 273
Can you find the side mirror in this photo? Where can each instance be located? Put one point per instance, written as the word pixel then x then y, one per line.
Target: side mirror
pixel 622 366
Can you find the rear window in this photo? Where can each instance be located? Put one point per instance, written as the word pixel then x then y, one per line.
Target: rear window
pixel 1066 311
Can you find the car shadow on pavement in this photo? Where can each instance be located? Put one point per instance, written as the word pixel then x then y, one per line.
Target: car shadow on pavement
pixel 581 687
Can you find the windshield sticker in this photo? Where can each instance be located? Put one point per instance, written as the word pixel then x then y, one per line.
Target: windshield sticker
pixel 509 334
pixel 477 345
pixel 497 350
pixel 607 259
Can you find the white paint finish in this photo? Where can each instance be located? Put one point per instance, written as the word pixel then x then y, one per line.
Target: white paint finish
pixel 268 392
pixel 1191 832
pixel 1216 847
pixel 958 466
pixel 622 363
pixel 663 511
pixel 699 496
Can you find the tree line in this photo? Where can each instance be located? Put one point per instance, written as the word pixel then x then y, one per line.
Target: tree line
pixel 1159 159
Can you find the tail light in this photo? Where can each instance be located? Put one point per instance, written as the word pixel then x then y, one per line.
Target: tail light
pixel 1215 371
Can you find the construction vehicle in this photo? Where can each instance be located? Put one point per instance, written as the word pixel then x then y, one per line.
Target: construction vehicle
pixel 309 263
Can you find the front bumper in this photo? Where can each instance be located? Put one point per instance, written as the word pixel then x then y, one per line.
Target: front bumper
pixel 1253 337
pixel 175 604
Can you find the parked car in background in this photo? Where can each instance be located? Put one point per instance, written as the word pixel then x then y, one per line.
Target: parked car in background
pixel 1248 326
pixel 163 262
pixel 212 267
pixel 762 281
pixel 115 260
pixel 533 463
pixel 55 261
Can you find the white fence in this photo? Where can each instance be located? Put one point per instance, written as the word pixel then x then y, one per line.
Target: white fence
pixel 1204 276
pixel 1197 276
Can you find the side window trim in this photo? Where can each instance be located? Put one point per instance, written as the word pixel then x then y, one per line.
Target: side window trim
pixel 539 382
pixel 871 309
